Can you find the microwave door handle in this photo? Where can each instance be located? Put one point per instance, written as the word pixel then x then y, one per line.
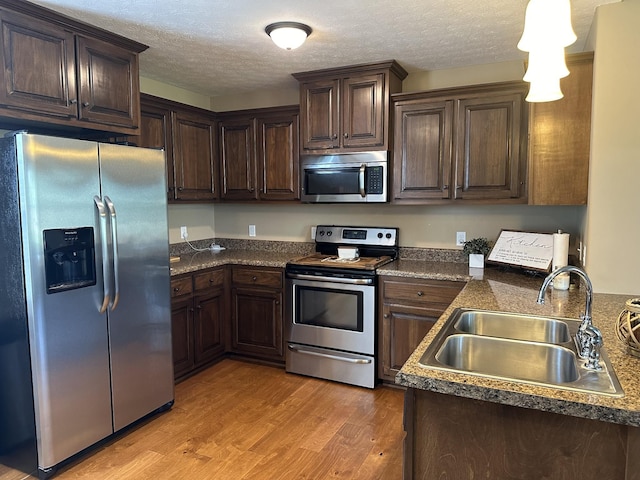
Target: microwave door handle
pixel 114 246
pixel 104 240
pixel 361 180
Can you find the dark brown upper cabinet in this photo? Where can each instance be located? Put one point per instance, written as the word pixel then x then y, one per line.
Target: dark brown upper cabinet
pixel 189 137
pixel 461 144
pixel 57 71
pixel 259 154
pixel 559 139
pixel 347 109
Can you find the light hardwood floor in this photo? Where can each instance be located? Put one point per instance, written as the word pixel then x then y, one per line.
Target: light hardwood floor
pixel 238 421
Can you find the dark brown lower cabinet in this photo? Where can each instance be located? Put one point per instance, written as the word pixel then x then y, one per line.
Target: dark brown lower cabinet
pixel 198 312
pixel 409 308
pixel 462 438
pixel 257 313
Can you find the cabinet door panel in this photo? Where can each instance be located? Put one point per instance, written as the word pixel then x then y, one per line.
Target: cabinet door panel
pixel 155 132
pixel 194 153
pixel 319 112
pixel 237 160
pixel 489 157
pixel 182 335
pixel 423 150
pixel 109 83
pixel 38 67
pixel 208 325
pixel 559 140
pixel 363 111
pixel 257 323
pixel 278 158
pixel 407 327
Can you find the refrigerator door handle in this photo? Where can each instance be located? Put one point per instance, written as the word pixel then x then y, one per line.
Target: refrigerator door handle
pixel 106 284
pixel 114 247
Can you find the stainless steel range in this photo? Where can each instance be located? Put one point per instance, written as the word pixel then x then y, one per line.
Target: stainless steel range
pixel 331 306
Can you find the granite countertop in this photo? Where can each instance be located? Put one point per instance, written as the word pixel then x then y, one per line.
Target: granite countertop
pixel 517 292
pixel 191 262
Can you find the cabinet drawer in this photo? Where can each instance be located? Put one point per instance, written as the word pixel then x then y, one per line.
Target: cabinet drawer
pixel 213 278
pixel 420 292
pixel 181 286
pixel 258 277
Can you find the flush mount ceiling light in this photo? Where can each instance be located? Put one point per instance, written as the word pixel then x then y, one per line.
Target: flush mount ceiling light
pixel 288 35
pixel 547 31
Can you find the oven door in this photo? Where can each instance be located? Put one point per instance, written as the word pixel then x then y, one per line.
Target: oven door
pixel 336 313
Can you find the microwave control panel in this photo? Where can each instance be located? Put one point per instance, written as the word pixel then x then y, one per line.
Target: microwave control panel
pixel 375 181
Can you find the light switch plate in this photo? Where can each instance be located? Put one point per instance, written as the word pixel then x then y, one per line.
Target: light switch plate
pixel 461 237
pixel 252 230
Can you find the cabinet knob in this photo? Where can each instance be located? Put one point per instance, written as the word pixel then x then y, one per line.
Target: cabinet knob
pixel 335 135
pixel 85 104
pixel 191 310
pixel 345 135
pixel 211 280
pixel 73 101
pixel 277 302
pixel 445 187
pixel 420 293
pixel 199 307
pixel 180 189
pixel 386 315
pixel 252 189
pixel 176 289
pixel 254 278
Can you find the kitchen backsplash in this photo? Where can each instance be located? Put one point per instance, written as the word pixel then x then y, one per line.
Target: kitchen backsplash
pixel 303 248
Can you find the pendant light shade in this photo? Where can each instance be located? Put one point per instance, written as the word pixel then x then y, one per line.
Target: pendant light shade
pixel 544 90
pixel 547 22
pixel 548 62
pixel 547 31
pixel 288 35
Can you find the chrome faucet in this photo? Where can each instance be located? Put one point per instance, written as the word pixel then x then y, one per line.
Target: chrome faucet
pixel 588 337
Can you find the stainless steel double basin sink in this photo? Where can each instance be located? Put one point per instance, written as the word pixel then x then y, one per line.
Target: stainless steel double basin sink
pixel 520 348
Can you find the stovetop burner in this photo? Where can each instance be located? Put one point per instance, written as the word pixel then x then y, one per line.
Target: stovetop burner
pixel 377 246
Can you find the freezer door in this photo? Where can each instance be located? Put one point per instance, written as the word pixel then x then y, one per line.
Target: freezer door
pixel 134 192
pixel 57 180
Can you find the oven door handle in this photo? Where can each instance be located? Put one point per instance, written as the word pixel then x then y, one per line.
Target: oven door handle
pixel 351 281
pixel 361 361
pixel 363 167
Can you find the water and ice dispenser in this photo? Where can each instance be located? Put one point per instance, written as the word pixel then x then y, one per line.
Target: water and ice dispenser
pixel 69 258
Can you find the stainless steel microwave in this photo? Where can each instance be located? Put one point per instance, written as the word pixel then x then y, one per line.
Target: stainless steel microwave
pixel 344 178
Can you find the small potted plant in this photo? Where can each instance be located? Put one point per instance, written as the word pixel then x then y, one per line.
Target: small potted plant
pixel 477 249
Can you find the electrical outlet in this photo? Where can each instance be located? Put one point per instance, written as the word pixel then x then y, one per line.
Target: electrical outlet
pixel 313 233
pixel 183 233
pixel 252 230
pixel 461 237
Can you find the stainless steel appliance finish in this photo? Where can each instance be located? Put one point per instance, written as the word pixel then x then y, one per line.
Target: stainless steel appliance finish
pixel 344 178
pixel 331 305
pixel 94 351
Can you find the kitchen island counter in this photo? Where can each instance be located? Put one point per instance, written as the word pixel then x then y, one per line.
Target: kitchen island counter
pixel 517 292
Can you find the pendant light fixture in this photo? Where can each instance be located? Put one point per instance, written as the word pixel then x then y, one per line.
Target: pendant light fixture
pixel 288 35
pixel 547 31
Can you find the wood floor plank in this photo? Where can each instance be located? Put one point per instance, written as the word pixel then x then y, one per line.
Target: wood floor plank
pixel 242 421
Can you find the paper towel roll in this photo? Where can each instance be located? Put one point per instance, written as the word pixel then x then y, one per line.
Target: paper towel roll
pixel 560 259
pixel 560 250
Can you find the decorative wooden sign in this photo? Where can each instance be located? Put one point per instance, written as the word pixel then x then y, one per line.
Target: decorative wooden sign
pixel 528 250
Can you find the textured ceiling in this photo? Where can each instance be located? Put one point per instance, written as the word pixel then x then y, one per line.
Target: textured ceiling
pixel 219 47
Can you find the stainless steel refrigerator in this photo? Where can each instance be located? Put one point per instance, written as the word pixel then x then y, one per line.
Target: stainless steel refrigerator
pixel 85 319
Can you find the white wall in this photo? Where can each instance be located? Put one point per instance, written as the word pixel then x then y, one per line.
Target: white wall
pixel 420 226
pixel 613 215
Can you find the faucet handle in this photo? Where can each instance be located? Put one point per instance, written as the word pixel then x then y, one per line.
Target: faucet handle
pixel 592 344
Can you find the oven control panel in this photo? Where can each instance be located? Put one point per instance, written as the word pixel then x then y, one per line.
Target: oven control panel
pixel 379 236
